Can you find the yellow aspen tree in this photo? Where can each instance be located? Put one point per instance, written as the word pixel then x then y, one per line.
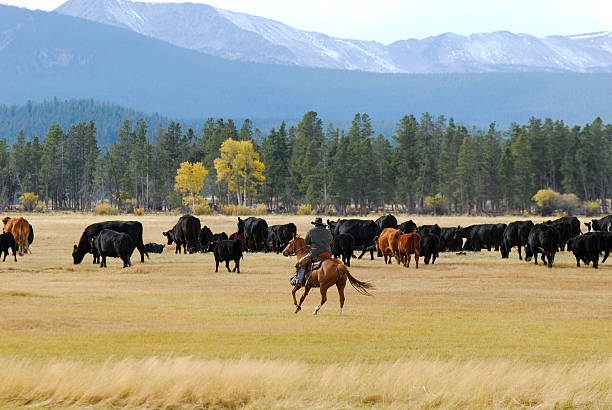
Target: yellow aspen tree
pixel 189 179
pixel 240 167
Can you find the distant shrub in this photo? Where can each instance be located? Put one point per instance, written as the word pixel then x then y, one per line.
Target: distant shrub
pixel 547 200
pixel 260 209
pixel 591 208
pixel 305 209
pixel 202 210
pixel 435 204
pixel 40 207
pixel 29 200
pixel 228 209
pixel 129 205
pixel 105 209
pixel 237 210
pixel 569 203
pixel 139 211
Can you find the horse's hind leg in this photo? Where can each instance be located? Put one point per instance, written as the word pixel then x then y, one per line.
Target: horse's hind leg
pixel 323 298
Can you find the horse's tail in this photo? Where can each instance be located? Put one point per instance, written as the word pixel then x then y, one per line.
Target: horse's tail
pixel 359 286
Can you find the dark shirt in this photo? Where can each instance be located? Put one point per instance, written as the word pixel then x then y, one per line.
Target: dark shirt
pixel 320 239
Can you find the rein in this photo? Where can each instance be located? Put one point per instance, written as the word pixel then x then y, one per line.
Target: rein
pixel 295 251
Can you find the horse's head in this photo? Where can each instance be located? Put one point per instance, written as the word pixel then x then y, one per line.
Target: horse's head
pixel 295 245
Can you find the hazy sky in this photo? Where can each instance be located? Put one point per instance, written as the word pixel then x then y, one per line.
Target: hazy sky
pixel 389 20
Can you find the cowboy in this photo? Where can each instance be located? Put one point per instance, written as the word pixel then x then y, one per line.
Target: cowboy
pixel 319 239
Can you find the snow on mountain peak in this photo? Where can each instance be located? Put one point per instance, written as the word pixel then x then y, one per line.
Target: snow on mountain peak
pixel 245 37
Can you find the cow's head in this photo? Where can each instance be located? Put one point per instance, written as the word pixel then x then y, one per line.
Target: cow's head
pixel 240 225
pixel 170 236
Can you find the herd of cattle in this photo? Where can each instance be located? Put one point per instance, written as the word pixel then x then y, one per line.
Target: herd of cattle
pixel 385 235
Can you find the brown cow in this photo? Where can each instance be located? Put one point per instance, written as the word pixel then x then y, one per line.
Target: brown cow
pixel 240 236
pixel 409 243
pixel 20 228
pixel 387 244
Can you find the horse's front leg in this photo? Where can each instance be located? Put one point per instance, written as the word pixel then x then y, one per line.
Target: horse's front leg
pixel 299 306
pixel 295 288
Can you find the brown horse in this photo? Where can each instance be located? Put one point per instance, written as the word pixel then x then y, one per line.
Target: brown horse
pixel 332 272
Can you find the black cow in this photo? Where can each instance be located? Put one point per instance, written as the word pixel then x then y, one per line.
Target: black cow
pixel 342 246
pixel 516 234
pixel 362 231
pixel 585 248
pixel 114 244
pixel 482 236
pixel 185 233
pixel 543 239
pixel 449 240
pixel 272 240
pixel 605 243
pixel 603 224
pixel 132 228
pixel 226 251
pixel 432 229
pixel 152 247
pixel 216 238
pixel 407 227
pixel 429 247
pixel 282 236
pixel 567 227
pixel 255 232
pixel 7 241
pixel 386 221
pixel 204 237
pixel 31 236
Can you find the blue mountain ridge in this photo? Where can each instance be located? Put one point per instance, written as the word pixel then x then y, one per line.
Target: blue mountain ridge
pixel 45 55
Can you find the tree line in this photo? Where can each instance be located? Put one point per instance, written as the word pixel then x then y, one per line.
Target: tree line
pixel 428 164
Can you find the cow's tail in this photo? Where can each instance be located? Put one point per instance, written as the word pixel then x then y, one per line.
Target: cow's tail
pixel 361 287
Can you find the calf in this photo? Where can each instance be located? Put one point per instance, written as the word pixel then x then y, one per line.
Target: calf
pixel 515 234
pixel 407 227
pixel 20 228
pixel 342 246
pixel 585 248
pixel 449 240
pixel 409 243
pixel 605 243
pixel 216 238
pixel 226 251
pixel 429 247
pixel 603 224
pixel 543 239
pixel 204 238
pixel 114 244
pixel 432 229
pixel 282 235
pixel 7 241
pixel 152 247
pixel 387 244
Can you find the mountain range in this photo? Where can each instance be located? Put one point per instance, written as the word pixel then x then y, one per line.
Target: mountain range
pixel 238 36
pixel 46 54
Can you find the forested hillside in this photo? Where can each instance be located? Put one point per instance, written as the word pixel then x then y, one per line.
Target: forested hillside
pixel 36 118
pixel 431 164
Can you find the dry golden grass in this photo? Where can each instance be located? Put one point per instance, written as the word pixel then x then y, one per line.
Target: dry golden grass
pixel 470 331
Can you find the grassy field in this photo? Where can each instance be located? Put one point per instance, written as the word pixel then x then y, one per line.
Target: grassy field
pixel 470 331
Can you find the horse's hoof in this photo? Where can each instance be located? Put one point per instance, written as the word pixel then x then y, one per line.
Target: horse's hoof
pixel 297 309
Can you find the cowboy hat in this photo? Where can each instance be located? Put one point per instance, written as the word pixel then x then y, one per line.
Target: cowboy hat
pixel 318 221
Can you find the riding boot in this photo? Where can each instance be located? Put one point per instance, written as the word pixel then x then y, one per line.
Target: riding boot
pixel 302 266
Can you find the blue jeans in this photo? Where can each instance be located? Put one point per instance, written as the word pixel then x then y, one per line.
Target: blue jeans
pixel 300 275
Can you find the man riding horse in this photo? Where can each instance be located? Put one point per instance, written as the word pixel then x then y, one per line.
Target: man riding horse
pixel 320 239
